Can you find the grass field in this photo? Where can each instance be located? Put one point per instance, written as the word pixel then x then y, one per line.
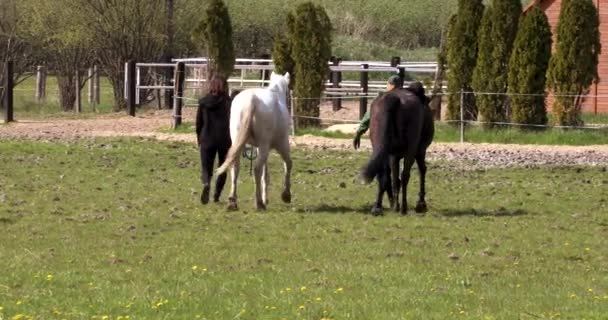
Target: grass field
pixel 112 229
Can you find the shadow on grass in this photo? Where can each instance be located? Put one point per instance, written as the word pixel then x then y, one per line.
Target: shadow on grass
pixel 336 209
pixel 500 212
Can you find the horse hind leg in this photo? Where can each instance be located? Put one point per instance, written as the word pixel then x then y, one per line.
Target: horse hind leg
pixel 421 206
pixel 265 184
pixel 287 164
pixel 405 178
pixel 383 184
pixel 396 183
pixel 258 171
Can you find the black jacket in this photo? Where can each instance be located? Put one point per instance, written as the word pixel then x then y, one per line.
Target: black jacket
pixel 213 121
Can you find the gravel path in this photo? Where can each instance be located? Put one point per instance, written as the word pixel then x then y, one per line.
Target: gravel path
pixel 149 125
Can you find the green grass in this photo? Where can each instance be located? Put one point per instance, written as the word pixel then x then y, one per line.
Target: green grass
pixel 113 228
pixel 27 107
pixel 451 133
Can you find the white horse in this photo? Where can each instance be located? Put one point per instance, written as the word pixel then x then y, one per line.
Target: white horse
pixel 259 117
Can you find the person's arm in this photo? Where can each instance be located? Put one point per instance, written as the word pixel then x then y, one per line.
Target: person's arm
pixel 199 122
pixel 363 126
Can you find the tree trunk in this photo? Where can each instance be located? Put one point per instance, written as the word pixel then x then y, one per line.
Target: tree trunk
pixel 67 92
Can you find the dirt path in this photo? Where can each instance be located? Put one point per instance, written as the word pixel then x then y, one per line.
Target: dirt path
pixel 150 125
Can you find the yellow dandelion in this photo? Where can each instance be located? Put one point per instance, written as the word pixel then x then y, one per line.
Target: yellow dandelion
pixel 318 299
pixel 461 312
pixel 287 289
pixel 204 269
pixel 303 289
pixel 587 249
pixel 105 318
pixel 49 277
pixel 18 317
pixel 1 308
pixel 572 296
pixel 301 307
pixel 590 290
pixel 194 268
pixel 19 302
pixel 273 308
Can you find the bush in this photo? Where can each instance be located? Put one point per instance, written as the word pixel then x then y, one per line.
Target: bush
pixel 462 56
pixel 216 31
pixel 496 35
pixel 573 67
pixel 528 68
pixel 310 39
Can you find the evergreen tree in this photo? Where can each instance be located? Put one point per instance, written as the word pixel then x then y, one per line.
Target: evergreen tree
pixel 215 31
pixel 528 68
pixel 573 67
pixel 282 52
pixel 311 50
pixel 496 35
pixel 462 55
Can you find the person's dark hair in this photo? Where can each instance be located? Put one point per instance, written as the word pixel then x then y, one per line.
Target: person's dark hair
pixel 218 86
pixel 395 80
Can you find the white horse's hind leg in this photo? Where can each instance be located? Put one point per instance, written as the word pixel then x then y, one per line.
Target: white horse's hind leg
pixel 265 183
pixel 257 172
pixel 234 175
pixel 287 164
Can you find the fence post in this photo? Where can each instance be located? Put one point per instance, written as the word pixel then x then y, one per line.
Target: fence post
pixel 395 62
pixel 265 74
pixel 364 89
pixel 131 87
pixel 336 78
pixel 78 101
pixel 180 73
pixel 168 94
pixel 8 92
pixel 40 84
pixel 461 116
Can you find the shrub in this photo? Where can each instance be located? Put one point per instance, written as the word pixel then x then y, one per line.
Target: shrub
pixel 573 67
pixel 496 35
pixel 528 68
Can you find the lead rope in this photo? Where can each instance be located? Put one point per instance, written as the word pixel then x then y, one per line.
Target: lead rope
pixel 250 153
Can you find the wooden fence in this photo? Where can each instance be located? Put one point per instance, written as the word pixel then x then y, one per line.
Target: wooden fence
pixel 190 74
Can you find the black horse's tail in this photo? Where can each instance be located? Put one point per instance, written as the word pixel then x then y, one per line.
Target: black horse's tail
pixel 380 156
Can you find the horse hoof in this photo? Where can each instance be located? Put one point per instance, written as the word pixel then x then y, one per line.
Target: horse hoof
pixel 421 207
pixel 261 206
pixel 377 211
pixel 232 206
pixel 286 196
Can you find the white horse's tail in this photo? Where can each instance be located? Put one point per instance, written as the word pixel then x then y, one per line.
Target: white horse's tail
pixel 241 140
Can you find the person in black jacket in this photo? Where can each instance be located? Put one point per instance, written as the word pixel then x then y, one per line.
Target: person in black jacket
pixel 213 134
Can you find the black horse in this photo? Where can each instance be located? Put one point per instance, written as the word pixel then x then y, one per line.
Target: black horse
pixel 401 128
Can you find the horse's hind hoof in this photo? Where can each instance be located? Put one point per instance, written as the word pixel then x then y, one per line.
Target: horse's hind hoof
pixel 377 211
pixel 232 206
pixel 286 196
pixel 261 206
pixel 421 207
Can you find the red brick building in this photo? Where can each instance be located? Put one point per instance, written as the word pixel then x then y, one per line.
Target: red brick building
pixel 592 104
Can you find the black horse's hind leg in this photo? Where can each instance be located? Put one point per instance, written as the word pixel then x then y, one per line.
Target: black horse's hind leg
pixel 396 183
pixel 420 162
pixel 405 178
pixel 383 186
